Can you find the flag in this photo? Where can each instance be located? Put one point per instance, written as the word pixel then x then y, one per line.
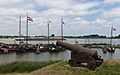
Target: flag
pixel 63 22
pixel 113 29
pixel 29 18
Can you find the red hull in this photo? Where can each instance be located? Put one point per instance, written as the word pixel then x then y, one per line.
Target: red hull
pixel 43 49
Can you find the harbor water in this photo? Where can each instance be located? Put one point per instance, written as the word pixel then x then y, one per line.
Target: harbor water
pixel 72 41
pixel 63 55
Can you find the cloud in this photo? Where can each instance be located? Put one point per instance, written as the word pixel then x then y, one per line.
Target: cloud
pixel 112 1
pixel 43 10
pixel 83 6
pixel 63 8
pixel 114 12
pixel 53 13
pixel 5 2
pixel 99 26
pixel 65 4
pixel 77 24
pixel 14 12
pixel 59 4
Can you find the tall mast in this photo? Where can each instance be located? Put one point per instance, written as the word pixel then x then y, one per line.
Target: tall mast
pixel 62 29
pixel 27 30
pixel 111 35
pixel 48 31
pixel 20 29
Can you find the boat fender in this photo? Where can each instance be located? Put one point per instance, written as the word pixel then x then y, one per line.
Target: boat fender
pixel 37 51
pixel 5 50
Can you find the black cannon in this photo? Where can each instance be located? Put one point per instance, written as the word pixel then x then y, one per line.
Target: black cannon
pixel 81 56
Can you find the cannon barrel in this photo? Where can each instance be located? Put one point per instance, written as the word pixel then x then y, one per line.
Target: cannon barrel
pixel 77 48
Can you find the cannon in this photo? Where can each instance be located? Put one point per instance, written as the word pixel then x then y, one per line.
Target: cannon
pixel 81 56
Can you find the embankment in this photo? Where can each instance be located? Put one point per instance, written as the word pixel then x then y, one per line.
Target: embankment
pixel 109 67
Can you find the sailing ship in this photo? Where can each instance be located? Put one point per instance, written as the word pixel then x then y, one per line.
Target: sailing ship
pixel 110 48
pixel 42 38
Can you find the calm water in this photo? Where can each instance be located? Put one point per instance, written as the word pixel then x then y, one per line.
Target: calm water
pixel 82 41
pixel 44 56
pixel 65 55
pixel 72 41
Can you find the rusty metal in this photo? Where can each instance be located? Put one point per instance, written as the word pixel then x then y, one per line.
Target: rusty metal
pixel 81 56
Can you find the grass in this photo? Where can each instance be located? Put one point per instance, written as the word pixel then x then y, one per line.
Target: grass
pixel 21 67
pixel 109 69
pixel 60 68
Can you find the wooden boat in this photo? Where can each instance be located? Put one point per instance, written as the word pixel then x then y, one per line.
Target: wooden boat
pixel 41 49
pixel 54 48
pixel 6 49
pixel 39 39
pixel 110 48
pixel 25 48
pixel 104 49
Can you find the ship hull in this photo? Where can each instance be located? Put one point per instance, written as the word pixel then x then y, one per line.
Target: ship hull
pixel 39 39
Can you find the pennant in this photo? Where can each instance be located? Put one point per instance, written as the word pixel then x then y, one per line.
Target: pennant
pixel 113 29
pixel 63 22
pixel 29 18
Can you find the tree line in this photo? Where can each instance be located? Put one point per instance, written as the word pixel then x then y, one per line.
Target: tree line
pixel 69 36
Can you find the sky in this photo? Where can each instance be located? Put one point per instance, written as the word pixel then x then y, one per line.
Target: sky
pixel 81 17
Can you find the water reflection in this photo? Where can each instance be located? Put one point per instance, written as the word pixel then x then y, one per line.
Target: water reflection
pixel 109 55
pixel 72 41
pixel 45 56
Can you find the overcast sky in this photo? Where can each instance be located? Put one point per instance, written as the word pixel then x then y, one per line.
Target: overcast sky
pixel 81 17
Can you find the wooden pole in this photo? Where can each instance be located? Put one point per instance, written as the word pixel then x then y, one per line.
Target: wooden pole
pixel 111 35
pixel 27 30
pixel 48 24
pixel 62 29
pixel 48 33
pixel 20 29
